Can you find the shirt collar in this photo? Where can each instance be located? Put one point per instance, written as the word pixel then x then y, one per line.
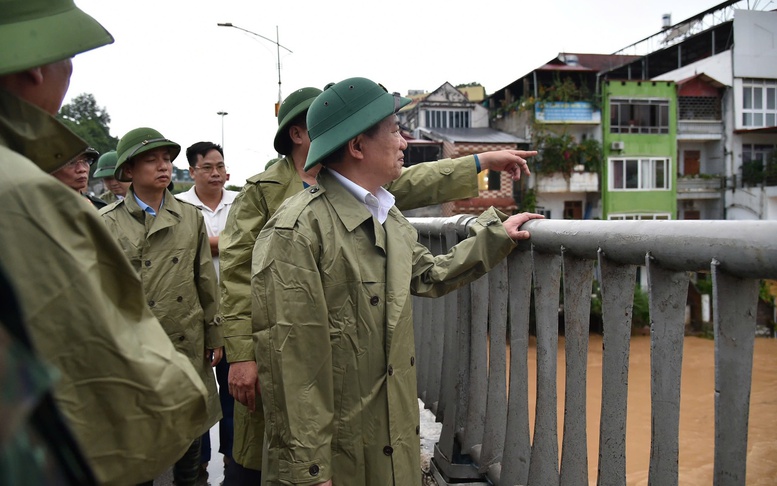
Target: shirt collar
pixel 145 207
pixel 377 204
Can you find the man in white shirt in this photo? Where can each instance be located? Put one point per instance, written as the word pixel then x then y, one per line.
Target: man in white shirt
pixel 207 168
pixel 209 173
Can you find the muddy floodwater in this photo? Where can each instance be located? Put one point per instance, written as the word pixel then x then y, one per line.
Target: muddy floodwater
pixel 697 412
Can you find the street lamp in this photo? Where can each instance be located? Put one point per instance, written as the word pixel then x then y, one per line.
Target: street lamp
pixel 222 114
pixel 277 50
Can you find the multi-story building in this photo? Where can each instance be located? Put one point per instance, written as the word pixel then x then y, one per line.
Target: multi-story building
pixel 724 63
pixel 446 123
pixel 640 163
pixel 557 108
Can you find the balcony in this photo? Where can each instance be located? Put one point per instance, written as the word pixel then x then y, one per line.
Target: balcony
pixel 699 130
pixel 577 181
pixel 700 187
pixel 480 392
pixel 577 112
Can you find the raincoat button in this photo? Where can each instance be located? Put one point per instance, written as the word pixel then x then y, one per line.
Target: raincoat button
pixel 313 190
pixel 412 361
pixel 181 338
pixel 175 259
pixel 447 170
pixel 148 263
pixel 388 450
pixel 313 470
pixel 151 303
pixel 179 299
pixel 391 370
pixel 374 300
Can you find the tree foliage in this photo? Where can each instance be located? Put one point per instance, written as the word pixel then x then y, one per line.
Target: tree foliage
pixel 89 121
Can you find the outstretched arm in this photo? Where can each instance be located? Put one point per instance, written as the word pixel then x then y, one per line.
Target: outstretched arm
pixel 511 161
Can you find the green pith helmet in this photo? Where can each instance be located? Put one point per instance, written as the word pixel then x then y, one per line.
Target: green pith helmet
pixel 294 105
pixel 106 164
pixel 139 141
pixel 38 32
pixel 345 110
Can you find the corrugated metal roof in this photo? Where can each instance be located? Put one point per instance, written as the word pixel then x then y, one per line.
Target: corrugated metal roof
pixel 473 135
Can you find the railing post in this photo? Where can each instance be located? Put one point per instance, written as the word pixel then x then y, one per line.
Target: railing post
pixel 734 339
pixel 617 284
pixel 578 281
pixel 515 470
pixel 668 293
pixel 543 470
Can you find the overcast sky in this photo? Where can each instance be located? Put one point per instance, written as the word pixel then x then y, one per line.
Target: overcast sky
pixel 172 68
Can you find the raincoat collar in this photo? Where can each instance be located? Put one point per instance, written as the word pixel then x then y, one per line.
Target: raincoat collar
pixel 350 210
pixel 280 172
pixel 168 215
pixel 28 130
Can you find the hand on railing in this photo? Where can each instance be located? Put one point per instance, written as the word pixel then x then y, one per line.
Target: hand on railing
pixel 510 161
pixel 513 224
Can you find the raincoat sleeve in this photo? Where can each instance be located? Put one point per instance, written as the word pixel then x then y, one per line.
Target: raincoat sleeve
pixel 487 244
pixel 207 288
pixel 435 183
pixel 293 354
pixel 246 218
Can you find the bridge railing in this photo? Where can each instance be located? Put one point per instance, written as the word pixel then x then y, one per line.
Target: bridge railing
pixel 462 338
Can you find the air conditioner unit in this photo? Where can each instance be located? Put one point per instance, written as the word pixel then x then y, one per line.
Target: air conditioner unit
pixel 617 146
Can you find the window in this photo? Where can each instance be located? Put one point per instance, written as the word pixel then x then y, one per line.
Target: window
pixel 638 217
pixel 447 118
pixel 699 108
pixel 541 210
pixel 573 209
pixel 759 103
pixel 757 163
pixel 639 115
pixel 489 180
pixel 639 174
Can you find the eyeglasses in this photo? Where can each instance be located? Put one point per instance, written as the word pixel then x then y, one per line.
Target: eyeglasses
pixel 209 168
pixel 85 161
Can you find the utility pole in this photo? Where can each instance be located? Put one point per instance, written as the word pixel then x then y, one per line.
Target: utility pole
pixel 277 52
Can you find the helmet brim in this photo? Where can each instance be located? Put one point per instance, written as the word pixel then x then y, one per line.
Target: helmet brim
pixel 44 39
pixel 139 149
pixel 356 123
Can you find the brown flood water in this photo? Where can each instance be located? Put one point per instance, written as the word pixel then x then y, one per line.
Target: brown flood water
pixel 697 415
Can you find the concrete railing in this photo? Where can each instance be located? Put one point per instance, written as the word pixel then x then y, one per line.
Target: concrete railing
pixel 462 338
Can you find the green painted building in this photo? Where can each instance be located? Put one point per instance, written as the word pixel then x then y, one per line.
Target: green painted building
pixel 639 125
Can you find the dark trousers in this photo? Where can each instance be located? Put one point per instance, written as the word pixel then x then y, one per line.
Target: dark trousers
pixel 187 468
pixel 242 476
pixel 226 424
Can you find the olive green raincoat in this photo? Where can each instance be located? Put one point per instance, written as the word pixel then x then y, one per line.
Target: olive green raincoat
pixel 108 197
pixel 421 185
pixel 171 254
pixel 333 327
pixel 130 399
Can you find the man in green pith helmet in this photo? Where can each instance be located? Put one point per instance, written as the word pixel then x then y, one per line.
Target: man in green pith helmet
pixel 75 175
pixel 332 276
pixel 420 185
pixel 128 397
pixel 167 243
pixel 115 189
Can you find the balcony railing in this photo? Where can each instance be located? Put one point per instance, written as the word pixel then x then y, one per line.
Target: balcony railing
pixel 699 130
pixel 708 186
pixel 461 342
